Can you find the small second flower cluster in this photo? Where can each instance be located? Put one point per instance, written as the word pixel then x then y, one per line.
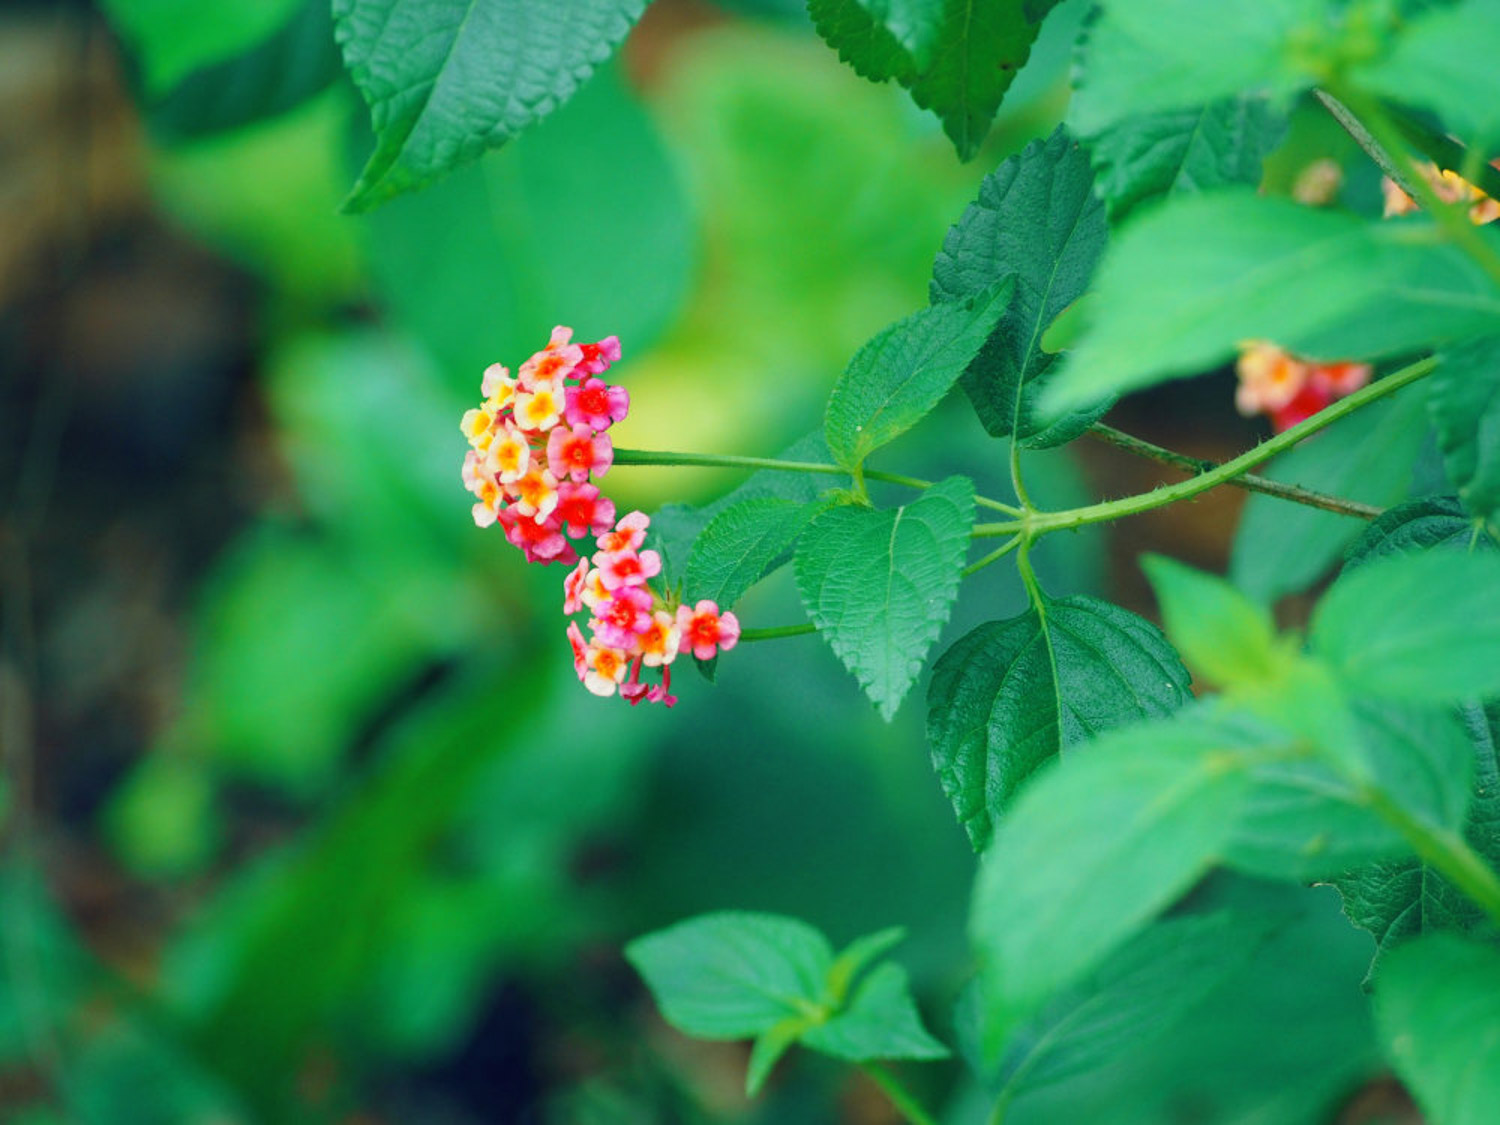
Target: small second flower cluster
pixel 633 629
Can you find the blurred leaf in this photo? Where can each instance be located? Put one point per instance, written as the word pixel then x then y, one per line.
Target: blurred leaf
pixel 448 79
pixel 1436 523
pixel 1010 695
pixel 1401 899
pixel 161 820
pixel 1222 635
pixel 879 1022
pixel 1184 151
pixel 896 379
pixel 1437 1004
pixel 1281 548
pixel 1306 820
pixel 1443 61
pixel 1036 217
pixel 48 969
pixel 127 1074
pixel 880 584
pixel 1137 994
pixel 740 545
pixel 1148 56
pixel 1092 850
pixel 295 62
pixel 1247 267
pixel 1421 626
pixel 1464 399
pixel 957 59
pixel 173 38
pixel 482 265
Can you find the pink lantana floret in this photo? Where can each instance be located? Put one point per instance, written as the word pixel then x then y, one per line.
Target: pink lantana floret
pixel 582 510
pixel 579 452
pixel 627 568
pixel 596 404
pixel 628 534
pixel 706 631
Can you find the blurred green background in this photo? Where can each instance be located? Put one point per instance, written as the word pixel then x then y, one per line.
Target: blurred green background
pixel 305 816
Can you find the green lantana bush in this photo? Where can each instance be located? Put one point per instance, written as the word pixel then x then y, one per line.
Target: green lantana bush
pixel 1102 767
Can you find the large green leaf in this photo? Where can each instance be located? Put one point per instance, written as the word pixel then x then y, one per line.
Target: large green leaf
pixel 447 80
pixel 1404 898
pixel 1137 994
pixel 1246 267
pixel 1223 636
pixel 879 585
pixel 957 57
pixel 1146 56
pixel 1306 820
pixel 1437 1005
pixel 1184 151
pixel 1094 848
pixel 1465 403
pixel 735 975
pixel 1281 548
pixel 1036 217
pixel 898 377
pixel 1435 523
pixel 1010 695
pixel 740 544
pixel 1421 626
pixel 291 65
pixel 1444 61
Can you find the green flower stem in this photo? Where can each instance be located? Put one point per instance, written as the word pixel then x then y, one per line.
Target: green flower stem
pixel 1375 132
pixel 1251 483
pixel 994 556
pixel 1446 852
pixel 901 1098
pixel 734 461
pixel 772 632
pixel 1040 523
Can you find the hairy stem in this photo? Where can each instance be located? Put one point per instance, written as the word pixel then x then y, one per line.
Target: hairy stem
pixel 1446 852
pixel 659 457
pixel 1250 482
pixel 994 556
pixel 772 632
pixel 900 1097
pixel 1041 523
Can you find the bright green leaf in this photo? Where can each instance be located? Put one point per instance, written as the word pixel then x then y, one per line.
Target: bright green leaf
pixel 1036 217
pixel 447 80
pixel 1184 151
pixel 1222 635
pixel 898 377
pixel 879 1022
pixel 957 57
pixel 1010 695
pixel 1093 849
pixel 1464 399
pixel 1444 61
pixel 1147 56
pixel 879 585
pixel 1246 267
pixel 1437 1006
pixel 1422 627
pixel 1282 548
pixel 740 545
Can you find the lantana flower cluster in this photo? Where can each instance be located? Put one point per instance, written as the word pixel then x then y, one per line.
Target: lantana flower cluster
pixel 535 443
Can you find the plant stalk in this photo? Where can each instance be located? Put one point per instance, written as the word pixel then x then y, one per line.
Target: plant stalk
pixel 900 1097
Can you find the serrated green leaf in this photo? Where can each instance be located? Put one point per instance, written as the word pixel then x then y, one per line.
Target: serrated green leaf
pixel 879 1022
pixel 1148 56
pixel 1444 61
pixel 740 545
pixel 1437 1007
pixel 1010 695
pixel 1424 627
pixel 291 65
pixel 1184 151
pixel 1464 399
pixel 1139 992
pixel 879 585
pixel 956 57
pixel 768 1048
pixel 1282 548
pixel 895 380
pixel 1093 849
pixel 1036 217
pixel 1436 523
pixel 1404 898
pixel 1222 635
pixel 1306 819
pixel 733 975
pixel 446 80
pixel 1244 267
